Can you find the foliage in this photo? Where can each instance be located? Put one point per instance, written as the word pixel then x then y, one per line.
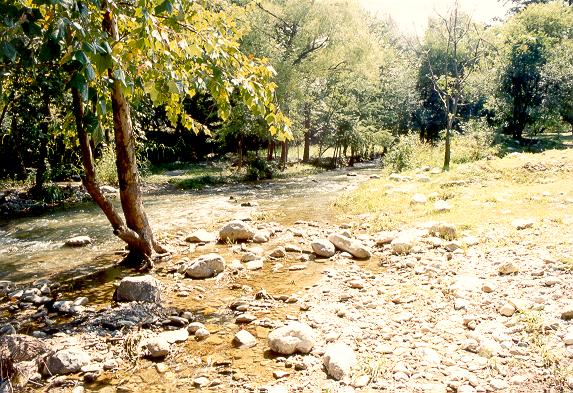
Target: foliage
pixel 105 167
pixel 258 169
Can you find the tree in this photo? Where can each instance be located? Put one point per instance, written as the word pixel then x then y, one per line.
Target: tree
pixel 118 52
pixel 527 41
pixel 459 40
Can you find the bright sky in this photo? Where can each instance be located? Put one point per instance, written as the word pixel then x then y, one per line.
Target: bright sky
pixel 411 16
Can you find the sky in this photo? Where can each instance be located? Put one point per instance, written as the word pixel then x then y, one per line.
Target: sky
pixel 411 16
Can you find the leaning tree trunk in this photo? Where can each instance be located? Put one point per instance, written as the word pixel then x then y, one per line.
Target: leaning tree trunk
pixel 134 239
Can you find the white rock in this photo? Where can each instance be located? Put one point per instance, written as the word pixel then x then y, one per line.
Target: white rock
pixel 78 241
pixel 294 337
pixel 65 361
pixel 244 339
pixel 202 334
pixel 354 247
pixel 418 199
pixel 174 336
pixel 205 266
pixel 236 231
pixel 507 310
pixel 338 359
pixel 140 289
pixel 403 243
pixel 157 347
pixel 507 268
pixel 442 206
pixel 323 248
pixel 498 384
pixel 568 338
pixel 201 236
pixel 257 264
pixel 194 326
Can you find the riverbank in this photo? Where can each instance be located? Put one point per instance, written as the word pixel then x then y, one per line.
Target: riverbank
pixel 457 307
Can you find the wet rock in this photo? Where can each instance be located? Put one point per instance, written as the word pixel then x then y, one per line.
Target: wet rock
pixel 6 287
pixel 244 339
pixel 323 248
pixel 354 247
pixel 236 231
pixel 65 361
pixel 7 329
pixel 201 236
pixel 78 241
pixel 295 337
pixel 338 360
pixel 205 266
pixel 157 347
pixel 141 289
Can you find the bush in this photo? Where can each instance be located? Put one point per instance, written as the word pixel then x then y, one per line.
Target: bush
pixel 106 170
pixel 259 168
pixel 400 155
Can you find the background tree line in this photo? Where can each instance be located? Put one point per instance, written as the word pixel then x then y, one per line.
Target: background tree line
pixel 350 83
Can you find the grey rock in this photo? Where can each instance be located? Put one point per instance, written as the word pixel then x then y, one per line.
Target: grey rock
pixel 194 326
pixel 354 247
pixel 257 264
pixel 202 334
pixel 78 241
pixel 244 339
pixel 294 337
pixel 201 236
pixel 278 252
pixel 141 289
pixel 65 361
pixel 205 266
pixel 338 360
pixel 237 231
pixel 323 248
pixel 157 347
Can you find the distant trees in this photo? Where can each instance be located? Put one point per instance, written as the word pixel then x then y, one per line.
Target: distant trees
pixel 528 44
pixel 452 48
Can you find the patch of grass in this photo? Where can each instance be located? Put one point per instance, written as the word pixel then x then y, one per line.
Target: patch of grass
pixel 484 193
pixel 197 182
pixel 106 169
pixel 375 366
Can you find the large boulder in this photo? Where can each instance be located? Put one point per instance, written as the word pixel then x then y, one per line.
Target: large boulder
pixel 352 246
pixel 338 360
pixel 140 289
pixel 294 337
pixel 323 248
pixel 205 266
pixel 65 361
pixel 236 231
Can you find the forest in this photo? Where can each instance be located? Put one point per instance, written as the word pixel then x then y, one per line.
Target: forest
pixel 303 196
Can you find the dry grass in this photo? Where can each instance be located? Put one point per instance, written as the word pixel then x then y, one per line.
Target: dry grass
pixel 492 192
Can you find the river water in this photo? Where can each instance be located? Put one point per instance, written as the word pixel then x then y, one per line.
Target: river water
pixel 32 248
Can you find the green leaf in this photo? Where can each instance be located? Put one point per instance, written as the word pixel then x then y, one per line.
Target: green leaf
pixel 119 75
pixel 31 29
pixel 80 56
pixel 90 72
pixel 101 107
pixel 166 6
pixel 102 62
pixel 8 50
pixel 79 82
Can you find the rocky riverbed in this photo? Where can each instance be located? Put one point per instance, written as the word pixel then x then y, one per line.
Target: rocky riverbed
pixel 264 307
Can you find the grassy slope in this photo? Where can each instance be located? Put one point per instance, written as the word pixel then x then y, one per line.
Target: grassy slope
pixel 488 192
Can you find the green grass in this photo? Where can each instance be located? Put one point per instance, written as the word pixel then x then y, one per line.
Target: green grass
pixel 493 192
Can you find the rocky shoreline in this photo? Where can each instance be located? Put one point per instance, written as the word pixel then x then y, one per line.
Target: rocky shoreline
pixel 425 309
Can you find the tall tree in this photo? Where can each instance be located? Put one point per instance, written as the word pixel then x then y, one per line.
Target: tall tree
pixel 459 40
pixel 117 52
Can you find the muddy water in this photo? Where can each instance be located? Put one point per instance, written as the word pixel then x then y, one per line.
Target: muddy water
pixel 32 248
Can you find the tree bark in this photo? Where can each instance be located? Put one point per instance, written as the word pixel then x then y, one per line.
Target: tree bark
pixel 284 154
pixel 306 152
pixel 271 149
pixel 90 183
